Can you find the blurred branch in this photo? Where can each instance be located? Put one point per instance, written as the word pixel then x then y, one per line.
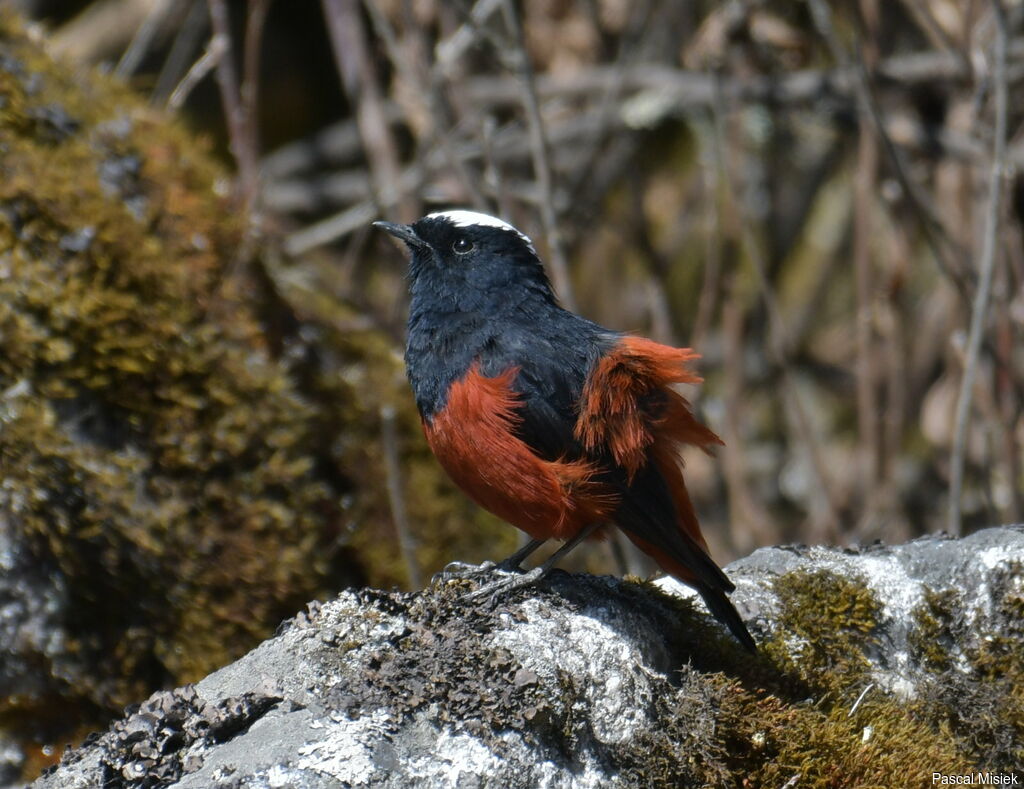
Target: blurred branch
pixel 865 179
pixel 986 267
pixel 239 122
pixel 541 156
pixel 451 49
pixel 396 497
pixel 683 89
pixel 361 82
pixel 425 90
pixel 921 12
pixel 339 143
pixel 331 229
pixel 102 29
pixel 214 53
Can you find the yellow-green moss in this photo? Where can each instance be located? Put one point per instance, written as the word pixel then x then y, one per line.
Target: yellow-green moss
pixel 938 628
pixel 828 623
pixel 768 740
pixel 788 712
pixel 192 454
pixel 736 720
pixel 154 453
pixel 977 690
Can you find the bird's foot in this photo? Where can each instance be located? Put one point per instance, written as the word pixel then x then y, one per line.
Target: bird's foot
pixel 457 571
pixel 506 584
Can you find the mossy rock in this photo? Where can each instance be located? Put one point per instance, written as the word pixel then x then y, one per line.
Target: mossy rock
pixel 182 454
pixel 585 681
pixel 155 456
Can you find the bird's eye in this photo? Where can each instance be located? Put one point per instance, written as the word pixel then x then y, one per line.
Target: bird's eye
pixel 462 246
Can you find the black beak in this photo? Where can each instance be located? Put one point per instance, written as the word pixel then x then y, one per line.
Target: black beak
pixel 403 232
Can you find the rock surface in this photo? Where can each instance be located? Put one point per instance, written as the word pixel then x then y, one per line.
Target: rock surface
pixel 877 666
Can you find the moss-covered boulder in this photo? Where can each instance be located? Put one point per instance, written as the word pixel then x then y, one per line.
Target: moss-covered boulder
pixel 185 456
pixel 877 668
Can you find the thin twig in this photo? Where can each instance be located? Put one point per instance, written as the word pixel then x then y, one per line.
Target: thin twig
pixel 492 172
pixel 987 267
pixel 750 524
pixel 541 158
pixel 187 39
pixel 396 496
pixel 1011 409
pixel 214 53
pixel 360 80
pixel 860 698
pixel 863 240
pixel 143 39
pixel 777 347
pixel 239 137
pixel 249 91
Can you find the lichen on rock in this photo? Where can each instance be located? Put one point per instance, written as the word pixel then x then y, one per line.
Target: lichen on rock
pixel 587 681
pixel 172 458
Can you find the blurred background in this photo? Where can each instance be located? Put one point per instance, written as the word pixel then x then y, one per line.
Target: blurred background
pixel 822 198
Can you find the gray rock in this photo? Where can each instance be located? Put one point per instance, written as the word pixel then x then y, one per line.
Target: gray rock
pixel 982 569
pixel 587 682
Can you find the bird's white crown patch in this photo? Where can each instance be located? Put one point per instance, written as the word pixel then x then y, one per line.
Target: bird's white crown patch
pixel 461 218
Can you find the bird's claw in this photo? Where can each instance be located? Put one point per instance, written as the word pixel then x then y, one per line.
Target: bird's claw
pixel 504 585
pixel 462 571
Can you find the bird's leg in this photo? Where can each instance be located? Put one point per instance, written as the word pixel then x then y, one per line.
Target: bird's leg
pixel 511 564
pixel 509 583
pixel 463 570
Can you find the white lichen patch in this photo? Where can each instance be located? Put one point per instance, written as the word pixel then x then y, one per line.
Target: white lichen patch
pixel 888 581
pixel 451 759
pixel 344 749
pixel 605 666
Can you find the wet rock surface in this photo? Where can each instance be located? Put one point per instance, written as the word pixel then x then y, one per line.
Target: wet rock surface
pixel 594 681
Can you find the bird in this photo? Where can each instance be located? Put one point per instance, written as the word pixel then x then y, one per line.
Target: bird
pixel 557 425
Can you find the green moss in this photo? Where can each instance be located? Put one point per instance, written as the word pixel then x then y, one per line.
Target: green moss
pixel 733 719
pixel 828 623
pixel 939 627
pixel 189 453
pixel 977 691
pixel 769 739
pixel 155 455
pixel 760 721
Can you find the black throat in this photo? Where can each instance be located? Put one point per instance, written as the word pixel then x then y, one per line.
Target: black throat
pixel 446 338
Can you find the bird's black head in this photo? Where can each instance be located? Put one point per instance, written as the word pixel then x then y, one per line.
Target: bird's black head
pixel 466 261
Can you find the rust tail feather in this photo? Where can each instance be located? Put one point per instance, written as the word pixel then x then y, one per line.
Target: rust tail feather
pixel 629 409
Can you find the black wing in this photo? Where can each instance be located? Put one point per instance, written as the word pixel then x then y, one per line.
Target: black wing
pixel 553 366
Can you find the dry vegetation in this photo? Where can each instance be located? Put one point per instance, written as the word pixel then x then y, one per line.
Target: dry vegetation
pixel 820 197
